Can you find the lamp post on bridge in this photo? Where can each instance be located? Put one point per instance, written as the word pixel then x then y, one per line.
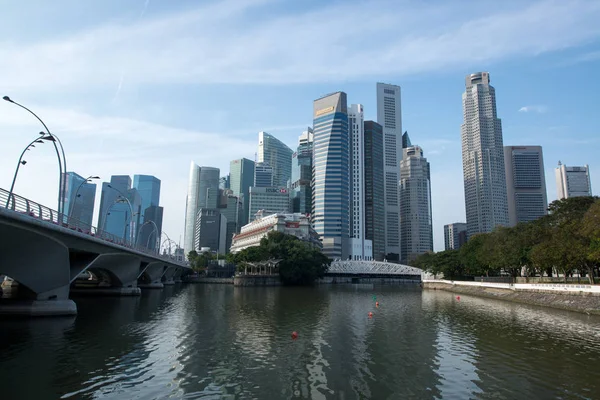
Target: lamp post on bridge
pixel 130 210
pixel 62 164
pixel 155 229
pixel 72 204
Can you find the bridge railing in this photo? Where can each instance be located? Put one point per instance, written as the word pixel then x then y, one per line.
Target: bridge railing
pixel 34 210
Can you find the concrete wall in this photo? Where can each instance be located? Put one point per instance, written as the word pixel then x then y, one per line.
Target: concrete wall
pixel 257 280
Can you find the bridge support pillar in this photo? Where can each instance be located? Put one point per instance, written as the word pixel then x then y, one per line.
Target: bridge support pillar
pixel 168 275
pixel 150 276
pixel 121 269
pixel 40 264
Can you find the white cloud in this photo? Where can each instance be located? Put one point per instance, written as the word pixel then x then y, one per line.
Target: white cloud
pixel 538 109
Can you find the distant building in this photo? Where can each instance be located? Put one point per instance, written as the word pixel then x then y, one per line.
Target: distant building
pixel 573 181
pixel 270 199
pixel 233 209
pixel 525 183
pixel 455 235
pixel 301 191
pixel 292 224
pixel 148 187
pixel 210 230
pixel 203 192
pixel 116 217
pixel 415 211
pixel 278 155
pixel 79 197
pixel 374 192
pixel 241 178
pixel 263 175
pixel 179 254
pixel 405 140
pixel 224 182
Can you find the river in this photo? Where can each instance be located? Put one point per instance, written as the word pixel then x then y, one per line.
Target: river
pixel 221 342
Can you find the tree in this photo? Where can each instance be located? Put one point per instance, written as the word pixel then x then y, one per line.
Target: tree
pixel 590 230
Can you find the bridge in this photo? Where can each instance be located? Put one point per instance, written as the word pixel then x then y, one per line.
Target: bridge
pixel 51 256
pixel 342 271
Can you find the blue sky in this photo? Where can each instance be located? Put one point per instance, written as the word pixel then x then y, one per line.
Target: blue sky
pixel 144 87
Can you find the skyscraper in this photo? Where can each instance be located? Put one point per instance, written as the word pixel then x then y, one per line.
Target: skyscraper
pixel 389 116
pixel 269 199
pixel 241 178
pixel 203 192
pixel 455 235
pixel 263 175
pixel 301 193
pixel 572 181
pixel 405 140
pixel 116 217
pixel 79 198
pixel 331 174
pixel 483 157
pixel 415 199
pixel 374 192
pixel 525 183
pixel 274 152
pixel 148 187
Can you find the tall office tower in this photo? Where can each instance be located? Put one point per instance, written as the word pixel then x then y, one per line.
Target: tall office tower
pixel 148 187
pixel 274 152
pixel 109 199
pixel 374 189
pixel 115 216
pixel 301 191
pixel 525 183
pixel 79 198
pixel 331 174
pixel 359 247
pixel 416 236
pixel 271 200
pixel 405 140
pixel 203 192
pixel 224 182
pixel 483 157
pixel 572 181
pixel 210 231
pixel 233 210
pixel 241 178
pixel 263 175
pixel 389 116
pixel 455 235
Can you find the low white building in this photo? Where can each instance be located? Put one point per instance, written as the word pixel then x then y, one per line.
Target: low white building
pixel 292 224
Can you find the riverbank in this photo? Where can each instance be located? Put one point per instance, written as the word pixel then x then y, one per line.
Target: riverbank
pixel 579 298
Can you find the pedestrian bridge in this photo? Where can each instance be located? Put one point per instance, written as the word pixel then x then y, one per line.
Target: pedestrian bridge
pixel 48 253
pixel 371 271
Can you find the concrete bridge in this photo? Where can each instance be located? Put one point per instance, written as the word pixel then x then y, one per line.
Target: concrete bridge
pixel 46 253
pixel 352 271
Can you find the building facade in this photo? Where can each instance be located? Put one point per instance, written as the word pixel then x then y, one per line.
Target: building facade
pixel 389 116
pixel 150 228
pixel 79 198
pixel 278 155
pixel 483 157
pixel 233 209
pixel 455 235
pixel 263 175
pixel 120 208
pixel 525 183
pixel 374 218
pixel 331 174
pixel 572 181
pixel 270 199
pixel 241 178
pixel 203 192
pixel 416 236
pixel 301 191
pixel 210 230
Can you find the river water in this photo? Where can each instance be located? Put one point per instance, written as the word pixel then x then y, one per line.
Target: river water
pixel 221 342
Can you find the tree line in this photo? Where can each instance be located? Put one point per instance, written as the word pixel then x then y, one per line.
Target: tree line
pixel 564 241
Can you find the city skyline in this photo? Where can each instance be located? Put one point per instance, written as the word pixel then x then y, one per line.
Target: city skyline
pixel 123 107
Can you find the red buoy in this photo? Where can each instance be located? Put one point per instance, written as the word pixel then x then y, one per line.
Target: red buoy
pixel 458 298
pixel 376 304
pixel 370 314
pixel 294 335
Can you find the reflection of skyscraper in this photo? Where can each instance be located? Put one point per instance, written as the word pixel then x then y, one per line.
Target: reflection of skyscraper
pixel 483 157
pixel 274 152
pixel 572 181
pixel 374 193
pixel 331 174
pixel 302 174
pixel 79 198
pixel 203 192
pixel 241 178
pixel 148 187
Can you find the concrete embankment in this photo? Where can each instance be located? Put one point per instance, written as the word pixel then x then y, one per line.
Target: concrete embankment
pixel 580 298
pixel 228 281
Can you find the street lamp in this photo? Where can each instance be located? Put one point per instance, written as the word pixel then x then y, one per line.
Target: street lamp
pixel 130 210
pixel 72 203
pixel 150 235
pixel 23 162
pixel 62 166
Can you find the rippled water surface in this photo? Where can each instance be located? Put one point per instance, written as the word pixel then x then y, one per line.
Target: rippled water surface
pixel 217 341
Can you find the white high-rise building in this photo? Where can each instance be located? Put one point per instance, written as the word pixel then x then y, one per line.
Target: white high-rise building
pixel 389 116
pixel 525 183
pixel 416 232
pixel 455 235
pixel 572 181
pixel 483 157
pixel 360 249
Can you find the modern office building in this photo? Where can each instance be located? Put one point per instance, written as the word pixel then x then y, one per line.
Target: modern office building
pixel 405 140
pixel 203 192
pixel 331 174
pixel 241 178
pixel 233 209
pixel 148 187
pixel 269 199
pixel 210 230
pixel 455 235
pixel 79 198
pixel 389 116
pixel 263 175
pixel 279 156
pixel 224 182
pixel 120 208
pixel 416 232
pixel 483 157
pixel 374 219
pixel 525 183
pixel 301 191
pixel 572 181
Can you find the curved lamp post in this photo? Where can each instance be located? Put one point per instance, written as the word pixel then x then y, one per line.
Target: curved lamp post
pixel 62 166
pixel 23 162
pixel 155 229
pixel 130 210
pixel 72 204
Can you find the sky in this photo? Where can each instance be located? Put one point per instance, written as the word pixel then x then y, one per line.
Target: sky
pixel 145 87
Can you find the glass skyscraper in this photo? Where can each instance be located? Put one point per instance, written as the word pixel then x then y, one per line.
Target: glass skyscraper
pixel 301 192
pixel 374 193
pixel 241 178
pixel 274 152
pixel 203 192
pixel 148 187
pixel 263 175
pixel 79 199
pixel 331 174
pixel 115 216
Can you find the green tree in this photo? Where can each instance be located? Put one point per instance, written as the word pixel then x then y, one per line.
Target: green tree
pixel 590 230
